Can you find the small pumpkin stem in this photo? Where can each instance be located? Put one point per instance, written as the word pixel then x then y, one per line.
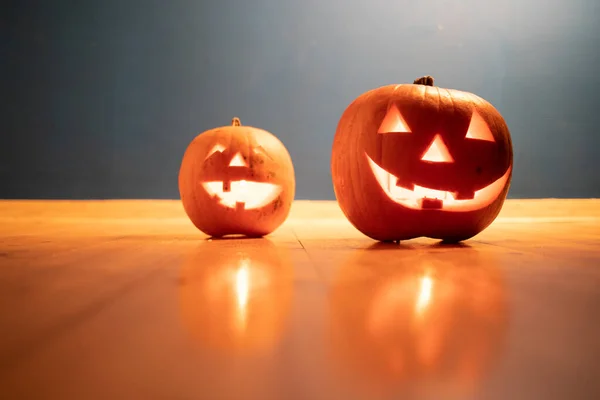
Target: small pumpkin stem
pixel 236 121
pixel 424 80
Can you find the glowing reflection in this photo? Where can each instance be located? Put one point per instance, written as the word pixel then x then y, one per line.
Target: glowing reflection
pixel 236 300
pixel 414 321
pixel 424 294
pixel 242 285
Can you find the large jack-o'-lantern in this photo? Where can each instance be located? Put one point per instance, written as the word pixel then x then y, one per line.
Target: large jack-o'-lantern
pixel 411 321
pixel 236 180
pixel 236 299
pixel 416 160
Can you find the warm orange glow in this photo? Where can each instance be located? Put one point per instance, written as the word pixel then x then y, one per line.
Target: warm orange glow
pixel 238 161
pixel 413 198
pixel 236 298
pixel 379 317
pixel 249 195
pixel 393 122
pixel 218 148
pixel 434 317
pixel 479 129
pixel 424 295
pixel 242 290
pixel 437 151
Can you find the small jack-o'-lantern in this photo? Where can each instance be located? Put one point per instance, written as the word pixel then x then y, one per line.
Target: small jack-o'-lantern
pixel 236 180
pixel 416 160
pixel 402 320
pixel 236 299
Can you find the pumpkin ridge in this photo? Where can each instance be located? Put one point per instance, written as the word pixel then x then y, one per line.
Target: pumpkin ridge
pixel 356 192
pixel 451 100
pixel 423 91
pixel 439 103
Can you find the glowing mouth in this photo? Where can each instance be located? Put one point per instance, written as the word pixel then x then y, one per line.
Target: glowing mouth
pixel 424 198
pixel 243 194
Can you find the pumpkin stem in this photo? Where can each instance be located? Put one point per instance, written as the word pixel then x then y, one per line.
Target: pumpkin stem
pixel 424 80
pixel 235 121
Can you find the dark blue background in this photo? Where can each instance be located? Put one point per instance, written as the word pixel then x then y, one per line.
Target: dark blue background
pixel 101 98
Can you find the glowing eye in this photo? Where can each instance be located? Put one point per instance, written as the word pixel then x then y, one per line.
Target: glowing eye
pixel 393 122
pixel 478 129
pixel 437 151
pixel 218 148
pixel 238 161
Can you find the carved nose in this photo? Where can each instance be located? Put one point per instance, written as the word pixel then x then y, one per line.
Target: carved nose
pixel 238 161
pixel 437 151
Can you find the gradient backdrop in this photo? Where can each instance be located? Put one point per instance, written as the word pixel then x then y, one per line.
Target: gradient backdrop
pixel 99 99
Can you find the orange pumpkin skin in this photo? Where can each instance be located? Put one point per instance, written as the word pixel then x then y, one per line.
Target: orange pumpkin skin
pixel 236 180
pixel 421 139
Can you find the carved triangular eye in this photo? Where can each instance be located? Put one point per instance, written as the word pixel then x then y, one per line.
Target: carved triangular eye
pixel 218 148
pixel 437 151
pixel 479 129
pixel 393 122
pixel 238 161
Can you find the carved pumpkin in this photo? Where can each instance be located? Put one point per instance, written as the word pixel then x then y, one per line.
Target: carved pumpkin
pixel 236 299
pixel 408 319
pixel 236 180
pixel 417 160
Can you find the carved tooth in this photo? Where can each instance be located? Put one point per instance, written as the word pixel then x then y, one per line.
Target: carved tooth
pixel 403 183
pixel 432 204
pixel 464 195
pixel 226 186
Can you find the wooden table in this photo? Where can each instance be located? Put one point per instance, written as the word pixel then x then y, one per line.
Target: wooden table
pixel 127 300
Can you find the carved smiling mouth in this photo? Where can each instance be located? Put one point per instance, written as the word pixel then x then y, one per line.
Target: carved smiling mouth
pixel 245 195
pixel 425 198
